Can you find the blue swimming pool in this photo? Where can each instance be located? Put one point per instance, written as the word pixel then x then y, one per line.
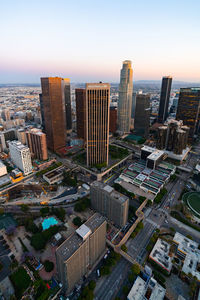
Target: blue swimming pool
pixel 48 222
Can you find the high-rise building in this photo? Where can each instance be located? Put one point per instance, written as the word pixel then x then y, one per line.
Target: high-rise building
pixel 109 202
pixel 113 119
pixel 172 136
pixel 142 115
pixel 7 136
pixel 164 99
pixel 67 95
pixel 20 156
pixel 81 113
pixel 97 122
pixel 53 102
pixel 125 98
pixel 78 253
pixel 21 136
pixel 188 109
pixel 133 105
pixel 42 112
pixel 36 141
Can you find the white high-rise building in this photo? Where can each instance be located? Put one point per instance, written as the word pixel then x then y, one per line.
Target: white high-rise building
pixel 125 98
pixel 20 156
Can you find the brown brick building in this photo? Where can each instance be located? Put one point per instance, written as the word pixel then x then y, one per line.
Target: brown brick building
pixel 37 143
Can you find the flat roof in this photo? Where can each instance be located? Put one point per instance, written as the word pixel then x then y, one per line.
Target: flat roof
pixel 83 231
pixel 141 287
pixel 149 149
pixel 160 254
pixel 185 244
pixel 156 155
pixel 110 190
pixel 74 241
pixel 1 164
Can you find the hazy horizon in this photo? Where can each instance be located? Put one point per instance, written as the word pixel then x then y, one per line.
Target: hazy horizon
pixel 87 41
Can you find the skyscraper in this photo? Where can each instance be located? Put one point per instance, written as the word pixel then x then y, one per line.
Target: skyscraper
pixel 36 141
pixel 81 113
pixel 68 111
pixel 77 254
pixel 97 122
pixel 54 112
pixel 188 109
pixel 164 99
pixel 113 119
pixel 142 115
pixel 125 97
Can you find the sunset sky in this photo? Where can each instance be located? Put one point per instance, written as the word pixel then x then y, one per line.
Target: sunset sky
pixel 87 40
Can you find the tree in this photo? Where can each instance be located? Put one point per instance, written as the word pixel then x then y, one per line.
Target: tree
pixel 124 248
pixel 125 290
pixel 44 211
pixel 37 241
pixel 77 221
pixel 48 265
pixel 135 269
pixel 92 285
pixel 24 208
pixel 140 225
pixel 2 210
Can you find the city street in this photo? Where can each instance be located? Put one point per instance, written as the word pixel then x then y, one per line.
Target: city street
pixel 108 286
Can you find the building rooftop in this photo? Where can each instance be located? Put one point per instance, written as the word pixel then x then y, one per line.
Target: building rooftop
pixel 156 155
pixel 83 231
pixel 18 145
pixel 185 244
pixel 160 254
pixel 1 164
pixel 148 149
pixel 142 290
pixel 118 196
pixel 73 242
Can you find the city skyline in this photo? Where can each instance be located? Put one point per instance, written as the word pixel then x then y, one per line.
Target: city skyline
pixel 42 40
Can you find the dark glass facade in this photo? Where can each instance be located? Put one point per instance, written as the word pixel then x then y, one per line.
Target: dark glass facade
pixel 142 115
pixel 189 109
pixel 164 99
pixel 80 113
pixel 113 119
pixel 54 112
pixel 68 110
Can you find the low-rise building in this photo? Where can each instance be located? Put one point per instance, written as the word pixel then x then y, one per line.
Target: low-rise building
pixel 109 202
pixel 54 176
pixel 188 251
pixel 143 290
pixel 160 255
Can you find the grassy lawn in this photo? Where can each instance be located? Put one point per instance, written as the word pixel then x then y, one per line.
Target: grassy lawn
pixel 21 281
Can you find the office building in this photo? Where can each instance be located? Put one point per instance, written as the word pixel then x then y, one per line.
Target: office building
pixel 164 99
pixel 81 113
pixel 53 102
pixel 172 136
pixel 125 98
pixel 36 141
pixel 5 137
pixel 113 119
pixel 77 255
pixel 188 109
pixel 68 111
pixel 42 112
pixel 142 115
pixel 149 289
pixel 20 156
pixel 21 136
pixel 133 105
pixel 109 202
pixel 97 122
